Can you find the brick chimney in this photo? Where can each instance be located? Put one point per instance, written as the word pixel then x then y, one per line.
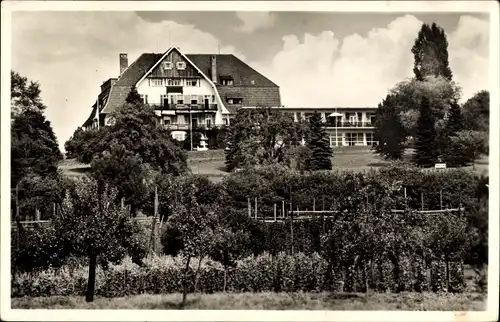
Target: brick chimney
pixel 123 63
pixel 214 69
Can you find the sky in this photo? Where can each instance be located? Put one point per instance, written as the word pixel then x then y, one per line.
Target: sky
pixel 319 59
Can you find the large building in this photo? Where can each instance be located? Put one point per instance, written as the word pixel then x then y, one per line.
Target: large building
pixel 193 91
pixel 201 91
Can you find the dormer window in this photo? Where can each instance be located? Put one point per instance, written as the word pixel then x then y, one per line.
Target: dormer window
pixel 168 65
pixel 226 80
pixel 234 100
pixel 181 65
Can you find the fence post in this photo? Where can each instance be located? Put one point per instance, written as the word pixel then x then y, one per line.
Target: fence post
pixel 283 208
pixel 274 204
pixel 255 208
pixel 441 198
pixel 314 204
pixel 249 208
pixel 422 200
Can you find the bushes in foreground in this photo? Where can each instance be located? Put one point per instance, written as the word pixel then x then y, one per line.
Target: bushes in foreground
pixel 264 273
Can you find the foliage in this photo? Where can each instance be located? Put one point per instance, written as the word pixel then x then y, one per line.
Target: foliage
pixel 389 130
pixel 119 168
pixel 90 219
pixel 23 96
pixel 34 146
pixel 476 111
pixel 134 97
pixel 426 151
pixel 186 144
pixel 319 144
pixel 260 136
pixel 84 145
pixel 431 53
pixel 466 146
pixel 164 275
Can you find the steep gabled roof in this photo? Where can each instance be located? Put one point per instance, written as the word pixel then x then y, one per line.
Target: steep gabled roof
pixel 255 89
pixel 230 65
pixel 129 78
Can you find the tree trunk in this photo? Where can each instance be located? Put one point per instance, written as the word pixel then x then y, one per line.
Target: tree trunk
pixel 184 291
pixel 225 279
pixel 196 276
pixel 89 297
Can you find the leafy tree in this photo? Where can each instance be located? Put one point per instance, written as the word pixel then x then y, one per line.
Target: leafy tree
pixel 476 111
pixel 91 220
pixel 430 52
pixel 195 228
pixel 467 146
pixel 426 153
pixel 260 136
pixel 119 168
pixel 389 131
pixel 33 146
pixel 24 96
pixel 134 97
pixel 319 144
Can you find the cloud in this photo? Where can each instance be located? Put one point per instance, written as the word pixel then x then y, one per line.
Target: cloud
pixel 72 53
pixel 325 71
pixel 254 20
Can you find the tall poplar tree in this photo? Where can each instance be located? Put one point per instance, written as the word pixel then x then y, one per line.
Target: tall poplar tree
pixel 389 130
pixel 431 53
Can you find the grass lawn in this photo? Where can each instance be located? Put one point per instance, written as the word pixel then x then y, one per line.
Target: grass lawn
pixel 268 301
pixel 211 163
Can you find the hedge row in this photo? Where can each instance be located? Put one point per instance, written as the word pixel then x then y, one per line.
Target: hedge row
pixel 331 190
pixel 279 273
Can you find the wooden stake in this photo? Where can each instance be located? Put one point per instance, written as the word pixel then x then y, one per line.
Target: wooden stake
pixel 53 210
pixel 274 204
pixel 283 208
pixel 255 207
pixel 314 204
pixel 422 200
pixel 441 198
pixel 249 208
pixel 323 203
pixel 291 229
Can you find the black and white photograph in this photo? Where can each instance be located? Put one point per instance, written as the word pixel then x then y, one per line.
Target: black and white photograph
pixel 250 161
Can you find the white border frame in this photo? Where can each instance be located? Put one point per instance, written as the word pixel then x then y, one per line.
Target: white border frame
pixel 490 7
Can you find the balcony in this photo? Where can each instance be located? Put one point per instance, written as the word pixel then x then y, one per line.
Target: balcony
pixel 349 124
pixel 185 107
pixel 185 127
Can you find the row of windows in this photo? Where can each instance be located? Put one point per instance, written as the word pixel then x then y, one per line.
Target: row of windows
pixel 173 82
pixel 169 65
pixel 182 99
pixel 351 139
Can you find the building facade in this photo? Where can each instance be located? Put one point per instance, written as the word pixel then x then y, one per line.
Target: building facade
pixel 193 92
pixel 345 126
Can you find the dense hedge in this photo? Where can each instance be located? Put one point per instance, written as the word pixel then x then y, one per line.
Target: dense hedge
pixel 278 273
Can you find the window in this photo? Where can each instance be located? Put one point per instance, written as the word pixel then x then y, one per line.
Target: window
pixel 335 140
pixel 174 82
pixel 144 98
pixel 166 120
pixel 354 139
pixel 180 99
pixel 192 82
pixel 227 82
pixel 168 65
pixel 157 82
pixel 230 100
pixel 194 99
pixel 181 65
pixel 369 139
pixel 164 100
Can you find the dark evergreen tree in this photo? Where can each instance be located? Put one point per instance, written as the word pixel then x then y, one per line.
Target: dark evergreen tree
pixel 430 52
pixel 389 131
pixel 427 151
pixel 454 124
pixel 134 97
pixel 318 143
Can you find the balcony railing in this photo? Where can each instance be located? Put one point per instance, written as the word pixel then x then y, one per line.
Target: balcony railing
pixel 185 107
pixel 349 124
pixel 185 127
